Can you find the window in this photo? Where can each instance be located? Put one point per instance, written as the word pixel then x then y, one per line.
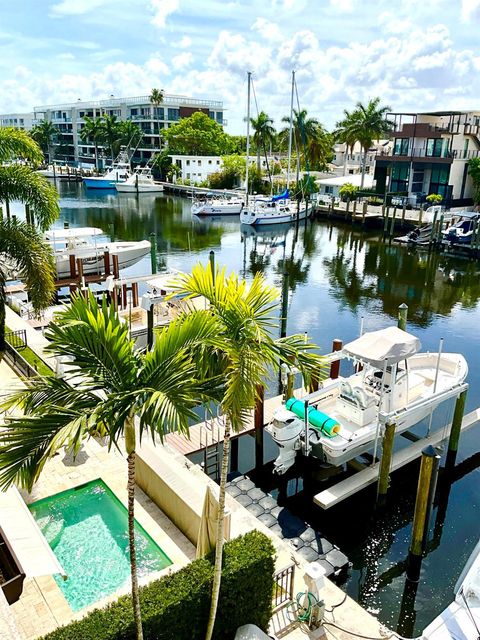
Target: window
pixel 399 178
pixel 329 190
pixel 401 147
pixel 199 163
pixel 133 112
pixel 173 114
pixel 209 162
pixel 159 113
pixel 439 180
pixel 218 161
pixel 417 180
pixel 188 163
pixel 434 147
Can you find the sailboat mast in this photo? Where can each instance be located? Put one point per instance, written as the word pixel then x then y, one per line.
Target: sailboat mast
pixel 249 76
pixel 290 130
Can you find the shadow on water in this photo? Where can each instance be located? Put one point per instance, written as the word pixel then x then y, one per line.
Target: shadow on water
pixel 334 275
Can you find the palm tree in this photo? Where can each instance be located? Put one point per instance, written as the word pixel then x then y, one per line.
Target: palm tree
pixel 111 134
pixel 264 132
pixel 320 149
pixel 365 125
pixel 344 134
pixel 92 131
pixel 45 134
pixel 21 246
pixel 156 98
pixel 241 353
pixel 130 134
pixel 305 131
pixel 108 389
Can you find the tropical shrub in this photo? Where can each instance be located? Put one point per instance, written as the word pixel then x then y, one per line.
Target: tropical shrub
pixel 348 191
pixel 434 198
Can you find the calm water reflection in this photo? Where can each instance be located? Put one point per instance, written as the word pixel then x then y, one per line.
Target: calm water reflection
pixel 336 275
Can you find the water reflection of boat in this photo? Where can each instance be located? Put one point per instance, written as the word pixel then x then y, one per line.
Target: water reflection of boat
pixel 461 619
pixel 396 384
pixel 266 232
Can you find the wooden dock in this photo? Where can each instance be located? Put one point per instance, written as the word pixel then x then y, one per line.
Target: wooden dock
pixel 362 479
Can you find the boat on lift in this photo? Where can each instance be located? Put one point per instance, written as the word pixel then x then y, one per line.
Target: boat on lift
pixel 461 619
pixel 89 244
pixel 462 231
pixel 211 204
pixel 119 172
pixel 347 415
pixel 141 181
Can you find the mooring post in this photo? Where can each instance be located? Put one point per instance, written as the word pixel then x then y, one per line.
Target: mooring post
pixel 283 320
pixel 116 269
pixel 354 212
pixel 420 215
pixel 73 267
pixel 290 385
pixel 150 328
pixel 385 222
pixel 153 252
pixel 347 208
pixel 385 463
pixel 364 211
pixel 124 295
pixel 403 213
pixel 106 262
pixel 80 268
pixel 337 345
pixel 135 294
pixel 211 259
pixel 455 429
pixel 429 459
pixel 259 421
pixel 402 316
pixel 392 228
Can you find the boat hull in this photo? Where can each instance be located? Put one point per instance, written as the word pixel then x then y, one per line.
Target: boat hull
pixel 258 219
pixel 211 210
pixel 100 183
pixel 93 260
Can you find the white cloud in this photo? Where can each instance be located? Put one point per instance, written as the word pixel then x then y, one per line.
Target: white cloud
pixel 161 10
pixel 75 7
pixel 344 6
pixel 185 42
pixel 470 10
pixel 182 60
pixel 66 56
pixel 269 30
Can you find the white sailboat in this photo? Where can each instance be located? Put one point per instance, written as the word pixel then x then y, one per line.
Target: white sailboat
pixel 119 172
pixel 346 416
pixel 141 181
pixel 461 619
pixel 217 205
pixel 89 244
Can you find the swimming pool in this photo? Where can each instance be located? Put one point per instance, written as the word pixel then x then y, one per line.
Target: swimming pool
pixel 87 528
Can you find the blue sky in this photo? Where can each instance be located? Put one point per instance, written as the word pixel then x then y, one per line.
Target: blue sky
pixel 415 55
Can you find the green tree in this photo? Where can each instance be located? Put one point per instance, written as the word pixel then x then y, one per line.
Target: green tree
pixel 241 355
pixel 92 133
pixel 198 135
pixel 345 135
pixel 474 173
pixel 21 246
pixel 108 389
pixel 366 124
pixel 263 133
pixel 130 134
pixel 45 134
pixel 232 172
pixel 313 145
pixel 348 191
pixel 111 134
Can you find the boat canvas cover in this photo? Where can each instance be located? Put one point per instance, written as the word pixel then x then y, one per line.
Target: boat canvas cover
pixel 75 232
pixel 391 345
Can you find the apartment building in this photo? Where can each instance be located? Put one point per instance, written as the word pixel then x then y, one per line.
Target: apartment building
pixel 17 120
pixel 69 120
pixel 430 154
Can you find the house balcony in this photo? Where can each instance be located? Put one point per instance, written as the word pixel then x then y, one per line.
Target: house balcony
pixel 418 155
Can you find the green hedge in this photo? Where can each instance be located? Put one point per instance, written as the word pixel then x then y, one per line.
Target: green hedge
pixel 176 607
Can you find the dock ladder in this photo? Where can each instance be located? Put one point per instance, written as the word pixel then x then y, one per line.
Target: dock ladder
pixel 210 440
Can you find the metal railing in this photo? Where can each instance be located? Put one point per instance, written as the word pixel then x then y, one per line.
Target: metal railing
pixel 19 363
pixel 283 587
pixel 112 102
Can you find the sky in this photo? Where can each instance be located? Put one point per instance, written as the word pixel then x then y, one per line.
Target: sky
pixel 415 55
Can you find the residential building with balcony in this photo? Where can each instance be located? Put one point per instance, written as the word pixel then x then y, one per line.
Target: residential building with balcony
pixel 430 154
pixel 349 161
pixel 69 120
pixel 17 120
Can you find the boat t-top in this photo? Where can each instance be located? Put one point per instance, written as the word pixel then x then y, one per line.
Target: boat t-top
pixel 119 172
pixel 211 204
pixel 90 244
pixel 140 181
pixel 346 416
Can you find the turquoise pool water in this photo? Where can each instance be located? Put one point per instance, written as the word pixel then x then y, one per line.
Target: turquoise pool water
pixel 87 528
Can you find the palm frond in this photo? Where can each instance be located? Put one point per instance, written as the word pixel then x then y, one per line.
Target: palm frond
pixel 16 143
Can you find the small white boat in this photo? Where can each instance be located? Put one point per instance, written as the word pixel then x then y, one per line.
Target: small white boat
pixel 89 244
pixel 141 181
pixel 461 619
pixel 345 417
pixel 274 210
pixel 216 205
pixel 462 231
pixel 119 172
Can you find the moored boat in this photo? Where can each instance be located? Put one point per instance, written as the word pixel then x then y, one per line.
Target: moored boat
pixel 216 205
pixel 119 172
pixel 141 181
pixel 279 209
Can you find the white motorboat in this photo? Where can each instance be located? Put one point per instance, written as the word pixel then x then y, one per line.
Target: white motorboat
pixel 89 244
pixel 141 181
pixel 461 619
pixel 216 205
pixel 346 416
pixel 462 231
pixel 274 210
pixel 119 172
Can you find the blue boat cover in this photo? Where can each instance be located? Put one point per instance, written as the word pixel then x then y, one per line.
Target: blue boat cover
pixel 281 196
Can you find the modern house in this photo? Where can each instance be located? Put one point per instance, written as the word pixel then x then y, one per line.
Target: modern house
pixel 430 154
pixel 349 161
pixel 196 169
pixel 68 118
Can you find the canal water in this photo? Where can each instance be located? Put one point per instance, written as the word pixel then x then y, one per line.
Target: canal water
pixel 337 276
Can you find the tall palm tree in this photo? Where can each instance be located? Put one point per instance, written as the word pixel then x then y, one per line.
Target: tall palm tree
pixel 366 124
pixel 344 134
pixel 320 149
pixel 108 389
pixel 241 353
pixel 130 134
pixel 157 96
pixel 20 243
pixel 92 132
pixel 305 131
pixel 111 134
pixel 264 132
pixel 45 133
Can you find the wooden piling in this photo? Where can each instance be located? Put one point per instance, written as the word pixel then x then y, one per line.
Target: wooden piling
pixel 385 223
pixel 73 268
pixel 354 212
pixel 392 227
pixel 420 215
pixel 364 212
pixel 27 214
pixel 347 208
pixel 150 328
pixel 402 316
pixel 153 252
pixel 135 294
pixel 283 320
pixel 116 270
pixel 211 260
pixel 124 295
pixel 79 267
pixel 403 214
pixel 259 421
pixel 106 262
pixel 429 458
pixel 455 429
pixel 335 366
pixel 385 463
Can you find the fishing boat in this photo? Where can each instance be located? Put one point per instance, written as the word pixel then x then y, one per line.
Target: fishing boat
pixel 277 209
pixel 462 231
pixel 119 172
pixel 216 205
pixel 394 383
pixel 89 245
pixel 461 619
pixel 141 181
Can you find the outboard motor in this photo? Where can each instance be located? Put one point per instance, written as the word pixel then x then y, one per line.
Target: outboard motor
pixel 286 431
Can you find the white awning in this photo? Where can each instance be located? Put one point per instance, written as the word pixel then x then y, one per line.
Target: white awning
pixel 376 347
pixel 33 552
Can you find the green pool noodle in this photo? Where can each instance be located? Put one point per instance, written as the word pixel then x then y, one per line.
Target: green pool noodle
pixel 316 418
